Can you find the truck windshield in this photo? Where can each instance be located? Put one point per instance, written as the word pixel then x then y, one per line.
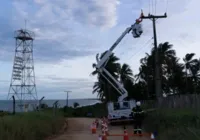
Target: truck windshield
pixel 125 105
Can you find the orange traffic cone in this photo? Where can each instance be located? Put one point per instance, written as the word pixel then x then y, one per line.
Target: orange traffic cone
pixel 152 136
pixel 106 131
pixel 104 137
pixel 93 128
pixel 125 135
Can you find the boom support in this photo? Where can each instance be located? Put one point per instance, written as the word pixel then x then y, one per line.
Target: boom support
pixel 136 31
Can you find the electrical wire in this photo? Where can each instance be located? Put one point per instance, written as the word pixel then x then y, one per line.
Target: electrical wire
pixel 135 44
pixel 141 48
pixel 166 6
pixel 155 5
pixel 149 6
pixel 137 41
pixel 152 7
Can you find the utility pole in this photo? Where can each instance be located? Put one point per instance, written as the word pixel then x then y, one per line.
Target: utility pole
pixel 158 86
pixel 67 97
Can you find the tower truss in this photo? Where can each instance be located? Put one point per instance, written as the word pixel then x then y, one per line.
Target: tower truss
pixel 22 84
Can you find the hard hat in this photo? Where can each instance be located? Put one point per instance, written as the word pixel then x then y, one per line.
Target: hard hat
pixel 138 103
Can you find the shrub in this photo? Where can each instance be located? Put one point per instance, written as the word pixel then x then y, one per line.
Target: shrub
pixel 30 126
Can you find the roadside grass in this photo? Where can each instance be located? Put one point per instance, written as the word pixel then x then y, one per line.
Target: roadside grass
pixel 176 124
pixel 30 125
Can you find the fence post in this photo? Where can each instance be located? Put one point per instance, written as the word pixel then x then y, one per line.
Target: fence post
pixel 13 105
pixel 40 101
pixel 55 105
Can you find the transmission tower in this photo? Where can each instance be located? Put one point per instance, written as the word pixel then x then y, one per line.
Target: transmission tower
pixel 22 84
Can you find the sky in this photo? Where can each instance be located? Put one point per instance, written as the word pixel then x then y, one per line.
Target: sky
pixel 69 34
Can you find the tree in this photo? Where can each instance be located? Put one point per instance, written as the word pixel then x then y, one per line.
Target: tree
pixel 102 86
pixel 43 106
pixel 125 74
pixel 191 71
pixel 177 78
pixel 76 104
pixel 147 68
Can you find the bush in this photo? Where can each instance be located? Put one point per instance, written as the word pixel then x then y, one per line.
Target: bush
pixel 4 113
pixel 30 126
pixel 173 124
pixel 96 110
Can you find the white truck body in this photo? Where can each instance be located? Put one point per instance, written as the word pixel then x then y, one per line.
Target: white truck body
pixel 117 113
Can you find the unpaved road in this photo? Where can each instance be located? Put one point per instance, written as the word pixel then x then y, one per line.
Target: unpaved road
pixel 79 129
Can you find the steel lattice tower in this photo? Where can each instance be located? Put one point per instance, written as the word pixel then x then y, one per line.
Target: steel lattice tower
pixel 22 84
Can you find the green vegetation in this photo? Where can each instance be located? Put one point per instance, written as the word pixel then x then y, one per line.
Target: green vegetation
pixel 174 124
pixel 97 110
pixel 178 78
pixel 76 104
pixel 30 125
pixel 175 117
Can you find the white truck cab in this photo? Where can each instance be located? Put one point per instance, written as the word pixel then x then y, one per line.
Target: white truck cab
pixel 120 111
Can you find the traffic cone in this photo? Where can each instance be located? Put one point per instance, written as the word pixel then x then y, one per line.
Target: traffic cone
pixel 93 128
pixel 125 134
pixel 152 136
pixel 104 137
pixel 106 129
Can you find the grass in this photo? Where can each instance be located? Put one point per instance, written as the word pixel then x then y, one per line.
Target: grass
pixel 30 126
pixel 174 124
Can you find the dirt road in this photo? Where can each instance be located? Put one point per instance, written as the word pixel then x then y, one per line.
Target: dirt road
pixel 79 129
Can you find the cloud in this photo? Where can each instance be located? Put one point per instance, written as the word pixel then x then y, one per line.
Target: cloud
pixel 66 34
pixel 69 34
pixel 60 26
pixel 71 75
pixel 180 28
pixel 88 12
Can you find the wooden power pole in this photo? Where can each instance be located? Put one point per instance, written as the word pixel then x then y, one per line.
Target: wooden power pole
pixel 158 86
pixel 67 97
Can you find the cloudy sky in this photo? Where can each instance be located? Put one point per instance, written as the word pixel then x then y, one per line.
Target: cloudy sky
pixel 69 33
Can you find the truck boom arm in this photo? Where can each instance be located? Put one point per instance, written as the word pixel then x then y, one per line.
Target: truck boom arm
pixel 136 31
pixel 109 52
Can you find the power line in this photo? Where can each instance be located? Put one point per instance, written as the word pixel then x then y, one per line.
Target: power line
pixel 136 43
pixel 166 6
pixel 131 48
pixel 155 5
pixel 152 6
pixel 141 48
pixel 149 6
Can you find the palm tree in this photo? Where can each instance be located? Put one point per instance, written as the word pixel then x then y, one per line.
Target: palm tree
pixel 147 67
pixel 76 104
pixel 175 76
pixel 98 88
pixel 102 87
pixel 125 74
pixel 191 67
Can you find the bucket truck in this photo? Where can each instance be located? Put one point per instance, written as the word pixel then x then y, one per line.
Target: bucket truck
pixel 120 110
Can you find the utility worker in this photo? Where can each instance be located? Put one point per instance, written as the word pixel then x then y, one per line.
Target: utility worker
pixel 138 116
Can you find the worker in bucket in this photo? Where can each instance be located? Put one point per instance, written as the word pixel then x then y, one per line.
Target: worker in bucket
pixel 138 116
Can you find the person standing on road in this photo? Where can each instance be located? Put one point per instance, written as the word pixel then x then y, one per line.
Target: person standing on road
pixel 138 116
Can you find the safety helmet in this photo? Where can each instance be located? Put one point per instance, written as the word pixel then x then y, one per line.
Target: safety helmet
pixel 138 103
